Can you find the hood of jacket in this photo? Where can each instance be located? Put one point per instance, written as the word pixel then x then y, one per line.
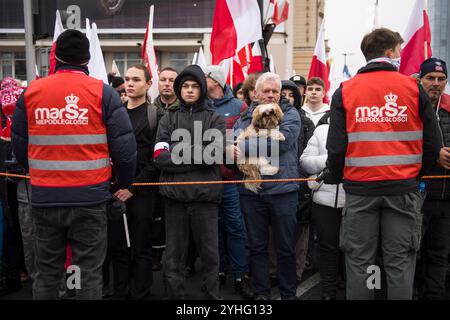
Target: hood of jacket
pixel 195 73
pixel 287 84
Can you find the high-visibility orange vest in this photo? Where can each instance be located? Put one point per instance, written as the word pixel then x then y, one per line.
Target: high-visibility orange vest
pixel 67 135
pixel 385 132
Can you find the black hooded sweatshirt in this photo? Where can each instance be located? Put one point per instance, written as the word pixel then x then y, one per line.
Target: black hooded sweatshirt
pixel 182 117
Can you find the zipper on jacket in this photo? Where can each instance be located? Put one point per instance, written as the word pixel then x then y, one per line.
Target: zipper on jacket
pixel 337 195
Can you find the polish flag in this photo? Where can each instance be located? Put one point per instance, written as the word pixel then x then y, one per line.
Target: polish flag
pixel 280 11
pixel 319 67
pixel 57 31
pixel 236 74
pixel 148 55
pixel 96 64
pixel 417 45
pixel 236 23
pixel 37 72
pixel 245 56
pixel 257 64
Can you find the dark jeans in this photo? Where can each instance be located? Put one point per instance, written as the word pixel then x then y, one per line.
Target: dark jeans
pixel 327 221
pixel 202 219
pixel 12 245
pixel 279 211
pixel 232 232
pixel 84 228
pixel 132 267
pixel 435 247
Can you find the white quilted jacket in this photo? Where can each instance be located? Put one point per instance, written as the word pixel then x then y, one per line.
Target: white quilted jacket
pixel 313 160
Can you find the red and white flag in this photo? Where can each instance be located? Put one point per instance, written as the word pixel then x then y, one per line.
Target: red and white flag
pixel 417 45
pixel 57 31
pixel 96 63
pixel 280 11
pixel 149 57
pixel 37 72
pixel 236 23
pixel 257 59
pixel 236 74
pixel 245 56
pixel 319 67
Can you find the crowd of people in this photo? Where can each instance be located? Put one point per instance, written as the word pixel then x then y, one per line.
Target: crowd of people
pixel 89 148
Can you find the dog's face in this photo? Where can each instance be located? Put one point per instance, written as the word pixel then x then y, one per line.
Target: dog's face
pixel 267 116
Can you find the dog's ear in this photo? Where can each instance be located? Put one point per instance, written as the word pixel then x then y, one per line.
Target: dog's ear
pixel 256 117
pixel 278 113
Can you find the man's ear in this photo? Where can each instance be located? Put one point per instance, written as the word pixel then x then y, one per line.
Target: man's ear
pixel 389 53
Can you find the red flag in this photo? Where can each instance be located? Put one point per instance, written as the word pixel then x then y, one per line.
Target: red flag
pixel 57 31
pixel 236 74
pixel 280 11
pixel 417 46
pixel 319 67
pixel 236 23
pixel 245 56
pixel 257 59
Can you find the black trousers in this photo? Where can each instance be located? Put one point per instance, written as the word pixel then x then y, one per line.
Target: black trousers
pixel 327 221
pixel 435 248
pixel 132 267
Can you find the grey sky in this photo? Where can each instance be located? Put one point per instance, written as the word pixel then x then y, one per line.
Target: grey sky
pixel 347 21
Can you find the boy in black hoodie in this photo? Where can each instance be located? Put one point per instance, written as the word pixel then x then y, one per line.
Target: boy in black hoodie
pixel 194 206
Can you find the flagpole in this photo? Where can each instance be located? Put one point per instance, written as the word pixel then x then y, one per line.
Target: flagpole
pixel 29 45
pixel 231 72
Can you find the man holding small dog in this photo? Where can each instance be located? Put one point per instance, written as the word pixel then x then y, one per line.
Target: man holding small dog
pixel 275 204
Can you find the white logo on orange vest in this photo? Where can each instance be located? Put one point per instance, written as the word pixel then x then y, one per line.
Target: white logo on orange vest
pixel 71 114
pixel 390 112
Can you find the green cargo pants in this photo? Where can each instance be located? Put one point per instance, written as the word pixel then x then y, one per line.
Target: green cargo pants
pixel 395 220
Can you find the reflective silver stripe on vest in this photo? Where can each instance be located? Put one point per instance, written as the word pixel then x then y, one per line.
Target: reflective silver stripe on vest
pixel 385 136
pixel 67 139
pixel 51 165
pixel 383 161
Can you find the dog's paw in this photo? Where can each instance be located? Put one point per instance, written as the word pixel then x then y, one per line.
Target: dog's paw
pixel 280 136
pixel 269 170
pixel 253 187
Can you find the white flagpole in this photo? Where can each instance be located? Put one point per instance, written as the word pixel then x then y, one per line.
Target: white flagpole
pixel 127 235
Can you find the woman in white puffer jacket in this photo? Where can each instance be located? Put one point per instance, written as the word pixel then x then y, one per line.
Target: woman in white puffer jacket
pixel 328 201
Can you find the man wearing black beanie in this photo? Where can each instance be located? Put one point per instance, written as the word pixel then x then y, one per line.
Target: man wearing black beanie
pixel 68 140
pixel 432 266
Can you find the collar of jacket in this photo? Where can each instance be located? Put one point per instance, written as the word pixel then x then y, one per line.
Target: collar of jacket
pixel 158 102
pixel 69 67
pixel 377 66
pixel 227 96
pixel 195 108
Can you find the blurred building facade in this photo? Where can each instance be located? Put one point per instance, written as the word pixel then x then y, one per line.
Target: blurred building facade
pixel 439 14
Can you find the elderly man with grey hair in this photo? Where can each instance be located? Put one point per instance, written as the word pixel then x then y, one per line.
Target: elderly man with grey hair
pixel 275 204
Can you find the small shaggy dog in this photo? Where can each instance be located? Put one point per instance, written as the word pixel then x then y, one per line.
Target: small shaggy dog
pixel 265 122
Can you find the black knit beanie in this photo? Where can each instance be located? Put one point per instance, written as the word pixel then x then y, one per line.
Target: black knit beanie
pixel 72 47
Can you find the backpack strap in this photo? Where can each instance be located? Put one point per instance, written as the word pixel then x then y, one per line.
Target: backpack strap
pixel 152 117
